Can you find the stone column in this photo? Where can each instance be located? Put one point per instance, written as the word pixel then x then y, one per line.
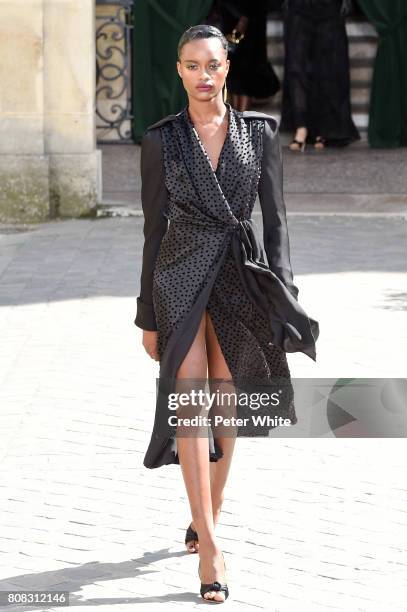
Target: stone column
pixel 49 165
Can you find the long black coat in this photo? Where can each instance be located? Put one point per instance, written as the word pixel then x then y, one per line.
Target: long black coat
pixel 209 256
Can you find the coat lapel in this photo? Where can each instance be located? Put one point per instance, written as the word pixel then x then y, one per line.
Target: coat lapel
pixel 206 180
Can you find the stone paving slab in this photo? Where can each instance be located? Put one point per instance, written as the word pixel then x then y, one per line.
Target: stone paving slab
pixel 342 179
pixel 308 524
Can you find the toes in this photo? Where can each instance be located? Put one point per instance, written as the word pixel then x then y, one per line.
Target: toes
pixel 192 547
pixel 214 595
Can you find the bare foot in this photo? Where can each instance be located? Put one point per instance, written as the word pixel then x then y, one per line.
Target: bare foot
pixel 298 143
pixel 192 545
pixel 211 569
pixel 319 143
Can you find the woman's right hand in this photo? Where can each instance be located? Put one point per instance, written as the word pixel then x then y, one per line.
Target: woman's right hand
pixel 150 343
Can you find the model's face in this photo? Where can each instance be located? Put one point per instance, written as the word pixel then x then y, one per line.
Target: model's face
pixel 203 67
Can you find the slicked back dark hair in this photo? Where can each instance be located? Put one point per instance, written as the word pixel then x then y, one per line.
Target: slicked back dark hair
pixel 201 31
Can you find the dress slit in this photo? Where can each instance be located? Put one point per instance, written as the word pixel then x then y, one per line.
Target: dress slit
pixel 174 354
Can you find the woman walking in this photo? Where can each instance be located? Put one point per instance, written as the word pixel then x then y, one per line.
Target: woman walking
pixel 210 304
pixel 316 92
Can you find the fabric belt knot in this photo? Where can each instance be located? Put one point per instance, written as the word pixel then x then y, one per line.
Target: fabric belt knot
pixel 291 328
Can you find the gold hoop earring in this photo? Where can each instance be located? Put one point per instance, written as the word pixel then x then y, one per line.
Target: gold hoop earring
pixel 225 93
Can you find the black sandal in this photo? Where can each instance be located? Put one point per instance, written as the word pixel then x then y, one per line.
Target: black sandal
pixel 190 536
pixel 301 145
pixel 320 141
pixel 213 586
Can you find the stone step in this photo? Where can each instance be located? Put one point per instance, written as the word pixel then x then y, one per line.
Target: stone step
pixel 359 49
pixel 360 76
pixel 360 97
pixel 361 73
pixel 355 28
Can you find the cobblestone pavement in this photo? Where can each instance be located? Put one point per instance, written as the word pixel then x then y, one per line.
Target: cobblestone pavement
pixel 308 525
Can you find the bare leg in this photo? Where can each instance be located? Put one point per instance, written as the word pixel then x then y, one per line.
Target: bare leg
pixel 193 455
pixel 193 451
pixel 211 560
pixel 219 470
pixel 300 136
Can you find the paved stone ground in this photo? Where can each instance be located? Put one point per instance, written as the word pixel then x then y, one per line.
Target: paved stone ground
pixel 308 524
pixel 349 179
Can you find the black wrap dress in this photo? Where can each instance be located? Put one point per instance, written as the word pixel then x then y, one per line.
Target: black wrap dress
pixel 202 251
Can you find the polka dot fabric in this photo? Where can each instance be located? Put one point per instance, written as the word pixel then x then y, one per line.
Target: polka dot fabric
pixel 195 256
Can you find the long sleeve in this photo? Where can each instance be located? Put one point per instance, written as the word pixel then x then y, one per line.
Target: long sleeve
pixel 154 199
pixel 275 231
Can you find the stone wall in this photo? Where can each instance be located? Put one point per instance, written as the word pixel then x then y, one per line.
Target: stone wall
pixel 49 165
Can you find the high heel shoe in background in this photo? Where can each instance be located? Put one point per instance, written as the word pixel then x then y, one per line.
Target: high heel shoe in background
pixel 301 145
pixel 319 144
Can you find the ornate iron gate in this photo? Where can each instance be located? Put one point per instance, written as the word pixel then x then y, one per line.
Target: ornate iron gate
pixel 114 26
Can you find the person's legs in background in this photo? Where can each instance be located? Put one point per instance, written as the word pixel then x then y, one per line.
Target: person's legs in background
pixel 298 47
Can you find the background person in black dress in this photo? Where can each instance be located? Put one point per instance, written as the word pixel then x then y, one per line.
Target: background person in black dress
pixel 316 92
pixel 250 74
